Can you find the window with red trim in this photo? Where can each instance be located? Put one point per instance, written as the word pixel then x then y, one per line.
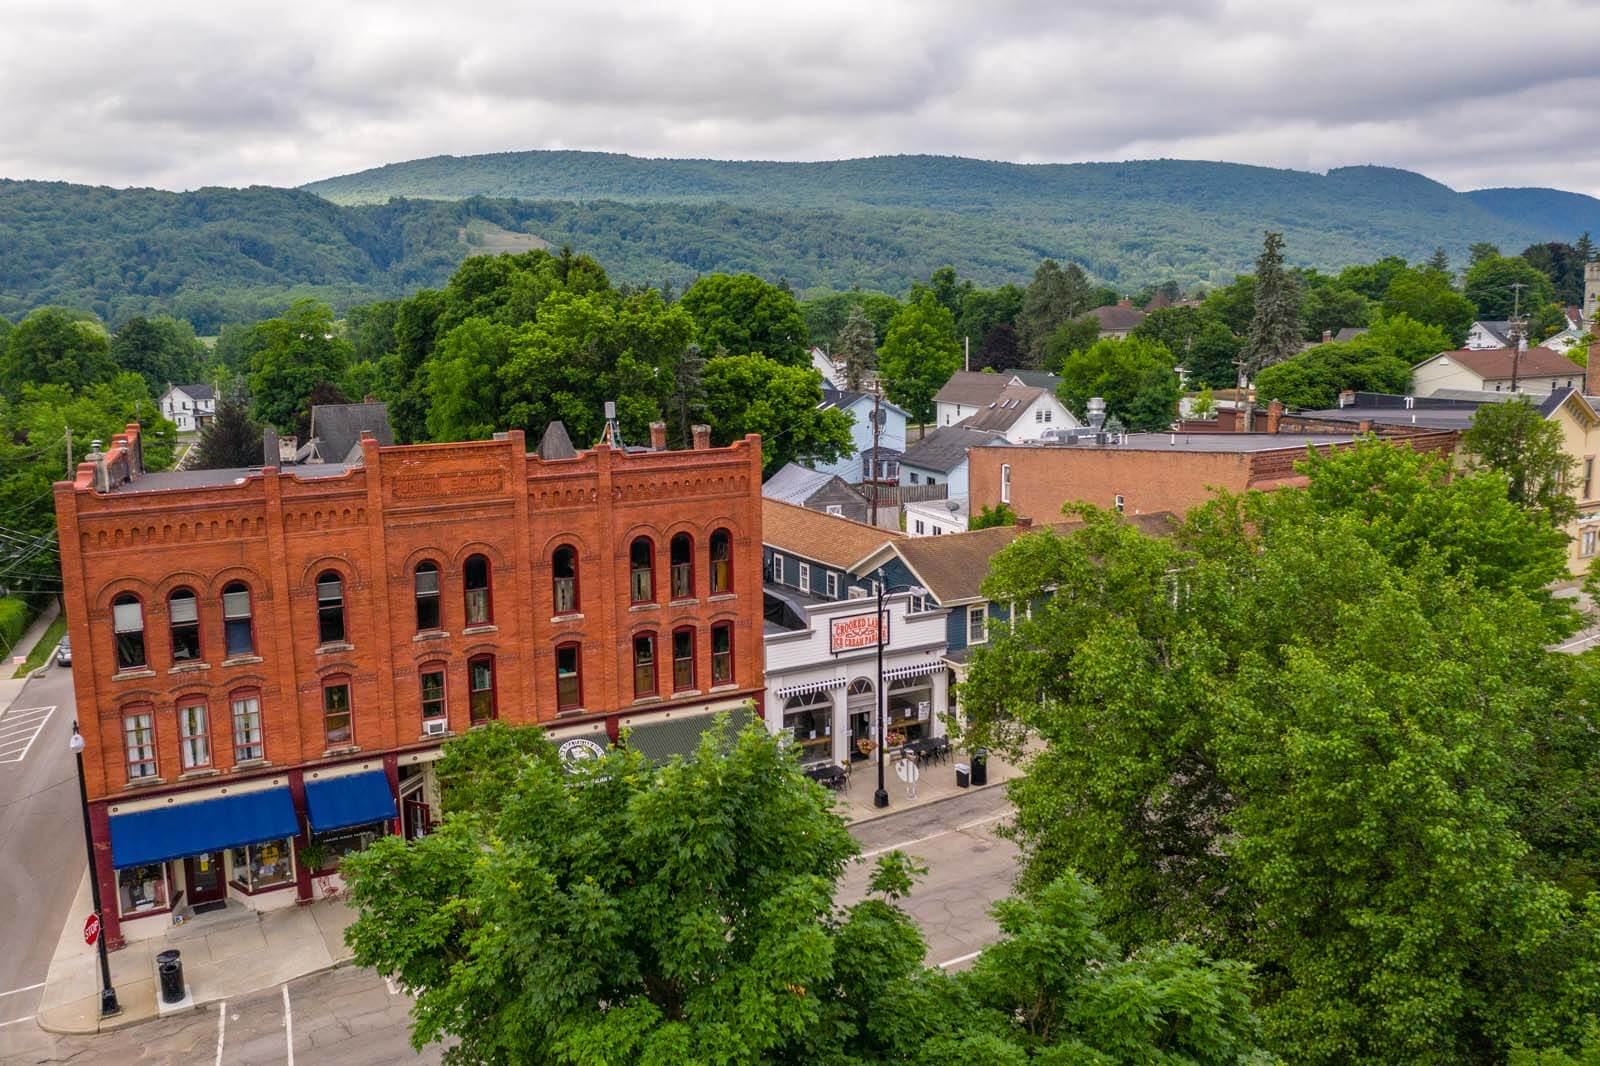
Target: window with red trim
pixel 564 579
pixel 425 590
pixel 183 616
pixel 127 626
pixel 139 735
pixel 681 552
pixel 247 739
pixel 644 665
pixel 238 630
pixel 642 570
pixel 432 679
pixel 721 562
pixel 475 577
pixel 336 728
pixel 682 659
pixel 194 739
pixel 722 653
pixel 480 688
pixel 569 677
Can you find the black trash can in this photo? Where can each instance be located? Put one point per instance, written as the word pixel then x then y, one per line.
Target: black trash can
pixel 980 766
pixel 963 776
pixel 170 967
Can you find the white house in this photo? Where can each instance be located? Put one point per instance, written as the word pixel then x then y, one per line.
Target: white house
pixel 832 373
pixel 1563 342
pixel 891 435
pixel 189 407
pixel 1022 413
pixel 1490 333
pixel 970 391
pixel 1538 371
pixel 935 518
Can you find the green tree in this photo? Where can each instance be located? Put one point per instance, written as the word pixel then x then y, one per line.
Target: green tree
pixel 1439 261
pixel 1205 403
pixel 464 388
pixel 1071 337
pixel 1135 377
pixel 1201 343
pixel 985 310
pixel 1530 451
pixel 294 354
pixel 1275 325
pixel 686 407
pixel 999 515
pixel 754 394
pixel 740 314
pixel 918 356
pixel 1329 307
pixel 1378 361
pixel 1054 296
pixel 230 439
pixel 1490 285
pixel 55 346
pixel 1234 304
pixel 163 351
pixel 1480 251
pixel 857 348
pixel 1584 248
pixel 1336 794
pixel 1427 296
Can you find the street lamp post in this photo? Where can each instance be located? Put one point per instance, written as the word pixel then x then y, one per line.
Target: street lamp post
pixel 880 798
pixel 108 995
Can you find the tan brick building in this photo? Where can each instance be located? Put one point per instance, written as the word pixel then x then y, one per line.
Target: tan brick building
pixel 264 655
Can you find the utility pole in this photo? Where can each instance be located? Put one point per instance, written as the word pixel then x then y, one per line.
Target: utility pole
pixel 966 347
pixel 69 453
pixel 877 424
pixel 1520 328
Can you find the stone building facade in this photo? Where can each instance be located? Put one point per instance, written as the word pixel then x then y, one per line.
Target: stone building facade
pixel 262 654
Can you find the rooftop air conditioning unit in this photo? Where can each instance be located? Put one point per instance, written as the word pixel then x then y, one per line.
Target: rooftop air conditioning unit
pixel 858 593
pixel 434 727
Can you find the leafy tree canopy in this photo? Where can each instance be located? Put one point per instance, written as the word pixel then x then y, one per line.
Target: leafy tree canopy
pixel 55 346
pixel 162 350
pixel 918 356
pixel 1428 297
pixel 1530 451
pixel 1490 285
pixel 1136 378
pixel 740 314
pixel 294 354
pixel 1201 342
pixel 231 439
pixel 754 394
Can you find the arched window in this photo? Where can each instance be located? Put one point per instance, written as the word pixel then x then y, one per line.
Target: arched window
pixel 642 571
pixel 476 581
pixel 480 689
pixel 683 659
pixel 183 615
pixel 682 552
pixel 127 624
pixel 238 630
pixel 722 653
pixel 569 677
pixel 644 665
pixel 721 562
pixel 564 579
pixel 330 607
pixel 425 583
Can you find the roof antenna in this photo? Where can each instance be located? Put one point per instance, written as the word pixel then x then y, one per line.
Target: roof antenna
pixel 612 434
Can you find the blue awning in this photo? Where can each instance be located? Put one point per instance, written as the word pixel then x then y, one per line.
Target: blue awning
pixel 182 829
pixel 354 799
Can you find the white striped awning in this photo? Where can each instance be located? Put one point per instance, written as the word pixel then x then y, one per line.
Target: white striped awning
pixel 915 670
pixel 808 687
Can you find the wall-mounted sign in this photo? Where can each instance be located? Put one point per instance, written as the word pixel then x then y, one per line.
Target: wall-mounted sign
pixel 856 631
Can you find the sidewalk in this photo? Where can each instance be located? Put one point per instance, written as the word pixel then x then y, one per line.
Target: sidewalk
pixel 225 955
pixel 11 688
pixel 935 782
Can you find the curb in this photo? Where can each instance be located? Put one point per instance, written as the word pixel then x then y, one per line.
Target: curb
pixel 973 790
pixel 123 1022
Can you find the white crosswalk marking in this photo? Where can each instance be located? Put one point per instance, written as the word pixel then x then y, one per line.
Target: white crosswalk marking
pixel 19 728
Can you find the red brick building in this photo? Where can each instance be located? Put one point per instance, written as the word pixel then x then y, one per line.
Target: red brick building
pixel 265 656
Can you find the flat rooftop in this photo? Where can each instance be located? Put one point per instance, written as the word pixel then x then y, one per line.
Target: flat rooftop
pixel 1421 417
pixel 1213 443
pixel 177 480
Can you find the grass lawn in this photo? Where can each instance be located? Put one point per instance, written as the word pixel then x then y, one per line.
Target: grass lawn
pixel 45 648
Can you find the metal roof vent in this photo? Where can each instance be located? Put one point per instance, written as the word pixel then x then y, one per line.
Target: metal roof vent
pixel 1097 412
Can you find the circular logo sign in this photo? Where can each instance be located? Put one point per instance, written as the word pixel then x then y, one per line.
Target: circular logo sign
pixel 578 751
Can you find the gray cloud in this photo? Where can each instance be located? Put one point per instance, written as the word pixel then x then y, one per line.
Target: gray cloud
pixel 178 95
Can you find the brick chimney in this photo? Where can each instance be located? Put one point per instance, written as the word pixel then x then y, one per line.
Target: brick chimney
pixel 1274 415
pixel 658 436
pixel 702 437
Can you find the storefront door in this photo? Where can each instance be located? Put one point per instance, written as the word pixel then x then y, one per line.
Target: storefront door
pixel 415 815
pixel 861 701
pixel 204 876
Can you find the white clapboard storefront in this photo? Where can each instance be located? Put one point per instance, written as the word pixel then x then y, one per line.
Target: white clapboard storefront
pixel 822 681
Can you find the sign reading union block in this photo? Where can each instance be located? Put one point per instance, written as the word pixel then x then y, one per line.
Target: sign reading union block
pixel 448 483
pixel 856 631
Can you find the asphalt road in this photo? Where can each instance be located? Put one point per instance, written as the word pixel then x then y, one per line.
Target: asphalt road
pixel 352 1017
pixel 41 840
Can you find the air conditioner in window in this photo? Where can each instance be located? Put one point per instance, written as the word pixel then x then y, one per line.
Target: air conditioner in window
pixel 434 727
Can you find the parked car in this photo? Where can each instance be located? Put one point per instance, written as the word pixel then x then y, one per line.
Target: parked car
pixel 64 652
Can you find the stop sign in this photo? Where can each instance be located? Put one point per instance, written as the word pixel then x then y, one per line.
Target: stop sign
pixel 91 929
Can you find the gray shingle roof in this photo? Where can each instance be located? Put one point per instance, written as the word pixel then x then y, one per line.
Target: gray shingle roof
pixel 338 427
pixel 972 388
pixel 945 448
pixel 794 484
pixel 1007 407
pixel 555 444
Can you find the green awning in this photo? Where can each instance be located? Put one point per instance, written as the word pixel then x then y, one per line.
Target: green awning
pixel 660 739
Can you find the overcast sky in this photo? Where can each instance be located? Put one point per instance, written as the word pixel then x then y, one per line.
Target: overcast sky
pixel 179 94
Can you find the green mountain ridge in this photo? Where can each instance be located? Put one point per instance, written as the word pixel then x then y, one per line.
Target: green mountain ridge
pixel 217 254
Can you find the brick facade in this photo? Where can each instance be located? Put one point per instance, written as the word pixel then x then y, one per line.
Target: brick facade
pixel 278 533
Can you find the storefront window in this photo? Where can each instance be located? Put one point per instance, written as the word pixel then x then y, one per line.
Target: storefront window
pixel 262 866
pixel 911 707
pixel 141 889
pixel 808 719
pixel 342 842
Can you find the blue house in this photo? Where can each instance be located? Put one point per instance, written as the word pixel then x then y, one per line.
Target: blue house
pixel 891 437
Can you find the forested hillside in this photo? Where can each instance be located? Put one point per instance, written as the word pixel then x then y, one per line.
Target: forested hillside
pixel 231 255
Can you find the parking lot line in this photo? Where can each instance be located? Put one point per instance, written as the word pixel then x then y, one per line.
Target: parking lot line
pixel 19 728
